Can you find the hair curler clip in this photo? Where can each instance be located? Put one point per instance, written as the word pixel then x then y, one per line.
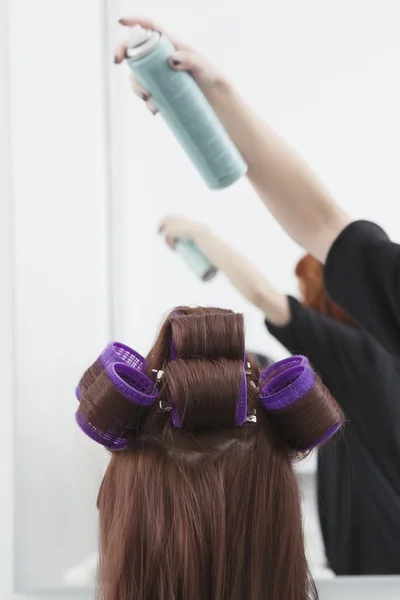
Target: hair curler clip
pixel 251 416
pixel 157 377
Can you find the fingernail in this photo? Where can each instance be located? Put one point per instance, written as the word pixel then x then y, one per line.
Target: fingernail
pixel 121 21
pixel 116 59
pixel 176 62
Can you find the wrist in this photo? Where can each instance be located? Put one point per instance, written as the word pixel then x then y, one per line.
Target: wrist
pixel 220 92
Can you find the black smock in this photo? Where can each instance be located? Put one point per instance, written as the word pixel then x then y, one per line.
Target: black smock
pixel 362 275
pixel 359 474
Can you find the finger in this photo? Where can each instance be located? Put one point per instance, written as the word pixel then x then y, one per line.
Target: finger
pixel 150 24
pixel 187 60
pixel 152 107
pixel 144 22
pixel 138 89
pixel 169 238
pixel 120 53
pixel 171 241
pixel 167 232
pixel 166 224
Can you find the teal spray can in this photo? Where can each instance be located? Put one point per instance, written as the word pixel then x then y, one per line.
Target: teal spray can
pixel 185 109
pixel 195 259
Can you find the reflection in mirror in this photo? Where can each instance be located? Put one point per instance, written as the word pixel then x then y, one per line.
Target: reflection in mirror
pixel 94 175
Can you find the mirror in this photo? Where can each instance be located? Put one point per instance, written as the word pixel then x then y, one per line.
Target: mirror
pixel 84 263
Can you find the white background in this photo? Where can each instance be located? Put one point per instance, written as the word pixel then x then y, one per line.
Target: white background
pixel 89 176
pixel 59 260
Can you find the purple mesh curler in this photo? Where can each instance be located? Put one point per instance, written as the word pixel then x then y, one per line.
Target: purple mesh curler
pixel 135 387
pixel 281 366
pixel 117 352
pixel 241 406
pixel 176 419
pixel 285 382
pixel 331 431
pixel 132 384
pixel 108 440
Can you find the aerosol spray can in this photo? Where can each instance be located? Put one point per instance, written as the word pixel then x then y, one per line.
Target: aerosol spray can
pixel 185 109
pixel 195 259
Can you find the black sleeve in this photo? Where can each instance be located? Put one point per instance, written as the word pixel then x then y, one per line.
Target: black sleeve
pixel 333 348
pixel 362 275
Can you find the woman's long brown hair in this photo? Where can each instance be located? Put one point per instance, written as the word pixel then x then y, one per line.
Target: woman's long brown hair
pixel 309 272
pixel 210 510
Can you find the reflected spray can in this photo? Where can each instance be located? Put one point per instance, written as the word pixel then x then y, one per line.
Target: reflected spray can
pixel 196 260
pixel 185 109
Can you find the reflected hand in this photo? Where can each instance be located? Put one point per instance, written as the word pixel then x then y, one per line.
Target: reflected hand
pixel 185 58
pixel 175 227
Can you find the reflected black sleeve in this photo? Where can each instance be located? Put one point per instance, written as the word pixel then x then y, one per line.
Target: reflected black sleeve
pixel 362 275
pixel 337 351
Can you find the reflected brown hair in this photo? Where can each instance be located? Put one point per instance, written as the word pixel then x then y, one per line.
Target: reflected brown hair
pixel 309 271
pixel 209 510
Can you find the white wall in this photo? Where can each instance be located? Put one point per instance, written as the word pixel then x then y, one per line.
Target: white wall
pixel 60 275
pixel 325 75
pixel 6 499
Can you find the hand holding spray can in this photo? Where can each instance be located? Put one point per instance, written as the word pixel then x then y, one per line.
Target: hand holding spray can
pixel 196 260
pixel 185 109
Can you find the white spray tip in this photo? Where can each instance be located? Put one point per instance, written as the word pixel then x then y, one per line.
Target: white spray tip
pixel 137 36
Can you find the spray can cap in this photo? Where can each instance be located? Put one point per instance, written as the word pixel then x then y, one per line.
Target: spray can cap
pixel 140 42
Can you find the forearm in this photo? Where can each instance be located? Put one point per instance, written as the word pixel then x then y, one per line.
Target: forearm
pixel 285 183
pixel 244 276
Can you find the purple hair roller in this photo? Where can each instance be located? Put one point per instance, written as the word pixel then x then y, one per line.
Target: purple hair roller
pixel 241 406
pixel 108 440
pixel 117 352
pixel 331 431
pixel 176 419
pixel 281 366
pixel 135 387
pixel 285 382
pixel 132 384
